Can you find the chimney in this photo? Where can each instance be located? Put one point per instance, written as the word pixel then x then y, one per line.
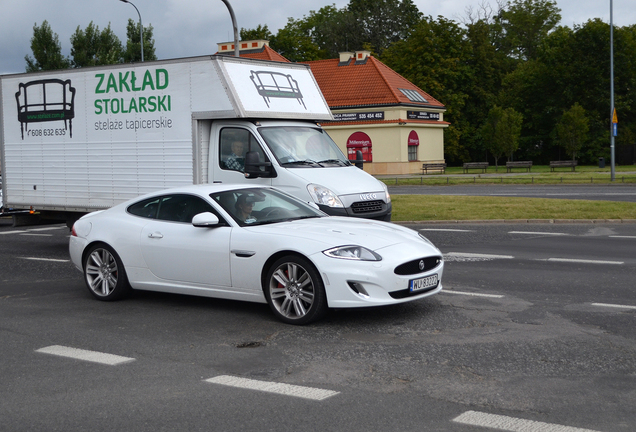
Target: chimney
pixel 362 56
pixel 228 47
pixel 345 58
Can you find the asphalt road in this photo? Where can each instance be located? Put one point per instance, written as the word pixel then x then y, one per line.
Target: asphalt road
pixel 535 324
pixel 605 192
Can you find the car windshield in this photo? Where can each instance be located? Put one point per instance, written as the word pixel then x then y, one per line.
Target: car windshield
pixel 303 147
pixel 258 206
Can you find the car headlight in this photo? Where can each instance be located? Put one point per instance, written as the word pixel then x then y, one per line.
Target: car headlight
pixel 356 253
pixel 386 191
pixel 324 196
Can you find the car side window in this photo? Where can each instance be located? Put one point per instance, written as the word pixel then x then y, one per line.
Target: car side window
pixel 146 208
pixel 182 208
pixel 234 143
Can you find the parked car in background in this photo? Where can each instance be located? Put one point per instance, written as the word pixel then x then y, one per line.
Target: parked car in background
pixel 255 244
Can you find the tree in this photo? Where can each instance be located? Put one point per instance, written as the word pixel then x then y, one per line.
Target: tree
pixel 501 132
pixel 132 53
pixel 525 23
pixel 572 129
pixel 47 51
pixel 91 47
pixel 259 33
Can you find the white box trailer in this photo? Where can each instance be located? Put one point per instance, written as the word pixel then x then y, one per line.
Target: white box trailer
pixel 74 141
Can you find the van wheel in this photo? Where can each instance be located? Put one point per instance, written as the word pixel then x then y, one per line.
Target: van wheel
pixel 295 291
pixel 104 274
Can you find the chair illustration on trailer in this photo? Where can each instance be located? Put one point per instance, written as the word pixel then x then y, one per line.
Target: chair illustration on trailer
pixel 44 101
pixel 276 85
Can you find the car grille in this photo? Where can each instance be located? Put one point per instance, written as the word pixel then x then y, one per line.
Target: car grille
pixel 413 267
pixel 407 293
pixel 366 206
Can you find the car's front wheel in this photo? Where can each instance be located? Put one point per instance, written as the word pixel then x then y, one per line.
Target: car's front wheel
pixel 104 273
pixel 295 291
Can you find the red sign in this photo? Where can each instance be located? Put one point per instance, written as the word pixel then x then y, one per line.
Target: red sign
pixel 414 140
pixel 360 141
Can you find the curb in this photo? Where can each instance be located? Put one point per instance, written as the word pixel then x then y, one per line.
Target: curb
pixel 517 221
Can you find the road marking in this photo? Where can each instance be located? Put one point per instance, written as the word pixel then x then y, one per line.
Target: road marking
pixel 629 237
pixel 37 234
pixel 538 233
pixel 44 259
pixel 476 255
pixel 47 228
pixel 445 229
pixel 582 261
pixel 80 354
pixel 12 232
pixel 613 306
pixel 470 294
pixel 270 387
pixel 494 421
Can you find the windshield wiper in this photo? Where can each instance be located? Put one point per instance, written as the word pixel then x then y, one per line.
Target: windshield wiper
pixel 334 161
pixel 302 162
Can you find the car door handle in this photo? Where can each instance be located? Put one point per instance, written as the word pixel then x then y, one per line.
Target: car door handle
pixel 155 235
pixel 243 253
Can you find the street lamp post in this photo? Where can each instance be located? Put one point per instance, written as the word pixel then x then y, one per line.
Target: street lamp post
pixel 236 38
pixel 141 27
pixel 612 108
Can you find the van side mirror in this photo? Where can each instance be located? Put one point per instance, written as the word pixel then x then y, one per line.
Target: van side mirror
pixel 255 168
pixel 359 160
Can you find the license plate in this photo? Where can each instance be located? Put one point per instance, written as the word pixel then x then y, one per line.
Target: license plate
pixel 423 283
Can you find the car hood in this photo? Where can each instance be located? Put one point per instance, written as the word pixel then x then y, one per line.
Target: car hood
pixel 341 180
pixel 340 231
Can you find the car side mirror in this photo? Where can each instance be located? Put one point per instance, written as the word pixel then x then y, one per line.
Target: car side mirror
pixel 255 168
pixel 359 160
pixel 205 220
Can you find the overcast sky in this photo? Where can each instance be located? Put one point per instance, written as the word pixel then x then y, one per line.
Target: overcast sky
pixel 184 28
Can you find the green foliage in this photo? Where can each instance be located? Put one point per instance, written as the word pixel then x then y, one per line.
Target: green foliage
pixel 90 47
pixel 571 130
pixel 501 131
pixel 132 53
pixel 47 51
pixel 259 33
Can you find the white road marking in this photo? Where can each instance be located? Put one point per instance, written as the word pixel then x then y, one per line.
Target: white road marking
pixel 270 387
pixel 80 354
pixel 470 294
pixel 47 228
pixel 613 306
pixel 12 232
pixel 582 261
pixel 629 237
pixel 476 255
pixel 445 229
pixel 44 259
pixel 37 234
pixel 538 233
pixel 505 423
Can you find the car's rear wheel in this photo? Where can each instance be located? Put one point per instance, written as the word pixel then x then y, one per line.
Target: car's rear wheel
pixel 295 291
pixel 104 273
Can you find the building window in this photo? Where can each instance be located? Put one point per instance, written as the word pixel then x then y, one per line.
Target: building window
pixel 412 153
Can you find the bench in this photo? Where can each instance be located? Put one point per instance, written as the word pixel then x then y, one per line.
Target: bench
pixel 433 166
pixel 518 164
pixel 46 100
pixel 475 165
pixel 562 164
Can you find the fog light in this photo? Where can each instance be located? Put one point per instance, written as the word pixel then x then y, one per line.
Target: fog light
pixel 358 288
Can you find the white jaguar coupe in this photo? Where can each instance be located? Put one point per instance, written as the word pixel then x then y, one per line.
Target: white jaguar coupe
pixel 254 244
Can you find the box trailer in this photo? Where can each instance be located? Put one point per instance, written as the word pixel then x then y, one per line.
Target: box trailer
pixel 78 140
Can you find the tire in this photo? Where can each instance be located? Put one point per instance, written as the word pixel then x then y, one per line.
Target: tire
pixel 104 274
pixel 294 291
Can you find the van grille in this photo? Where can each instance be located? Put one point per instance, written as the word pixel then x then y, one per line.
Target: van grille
pixel 366 206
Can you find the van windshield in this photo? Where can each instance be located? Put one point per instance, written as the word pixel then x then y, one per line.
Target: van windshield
pixel 303 147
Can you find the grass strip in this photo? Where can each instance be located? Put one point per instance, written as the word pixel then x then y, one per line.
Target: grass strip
pixel 444 207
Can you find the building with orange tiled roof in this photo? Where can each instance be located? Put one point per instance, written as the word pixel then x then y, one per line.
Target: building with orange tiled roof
pixel 395 124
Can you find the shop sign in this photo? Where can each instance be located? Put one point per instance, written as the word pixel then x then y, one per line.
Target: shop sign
pixel 360 141
pixel 422 115
pixel 414 140
pixel 358 116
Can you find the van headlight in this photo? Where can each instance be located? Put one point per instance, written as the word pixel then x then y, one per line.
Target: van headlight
pixel 386 191
pixel 323 196
pixel 352 252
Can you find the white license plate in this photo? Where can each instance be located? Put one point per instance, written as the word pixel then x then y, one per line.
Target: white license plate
pixel 423 283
